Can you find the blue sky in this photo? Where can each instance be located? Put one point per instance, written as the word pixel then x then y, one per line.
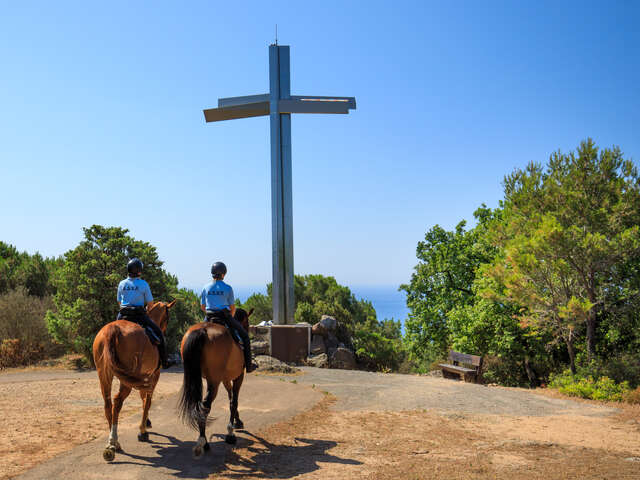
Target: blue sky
pixel 101 121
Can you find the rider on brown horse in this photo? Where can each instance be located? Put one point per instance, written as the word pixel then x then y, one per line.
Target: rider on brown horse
pixel 133 294
pixel 218 303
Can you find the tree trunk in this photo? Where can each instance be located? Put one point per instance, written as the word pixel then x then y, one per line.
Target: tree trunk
pixel 591 334
pixel 531 373
pixel 572 354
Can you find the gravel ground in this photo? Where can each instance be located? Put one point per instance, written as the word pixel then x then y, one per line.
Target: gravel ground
pixel 317 423
pixel 356 390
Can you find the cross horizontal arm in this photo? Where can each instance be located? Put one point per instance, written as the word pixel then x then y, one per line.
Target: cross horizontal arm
pixel 300 106
pixel 231 101
pixel 349 101
pixel 247 110
pixel 258 105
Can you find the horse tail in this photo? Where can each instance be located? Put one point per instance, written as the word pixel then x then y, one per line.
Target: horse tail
pixel 113 337
pixel 190 406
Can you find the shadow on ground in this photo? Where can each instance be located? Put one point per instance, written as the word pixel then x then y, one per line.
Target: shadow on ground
pixel 263 459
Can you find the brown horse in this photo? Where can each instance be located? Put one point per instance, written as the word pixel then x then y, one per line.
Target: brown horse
pixel 123 349
pixel 209 352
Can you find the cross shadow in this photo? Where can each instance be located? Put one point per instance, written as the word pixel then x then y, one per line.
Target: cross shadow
pixel 268 460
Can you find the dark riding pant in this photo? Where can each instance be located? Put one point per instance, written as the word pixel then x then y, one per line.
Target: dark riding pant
pixel 235 325
pixel 144 321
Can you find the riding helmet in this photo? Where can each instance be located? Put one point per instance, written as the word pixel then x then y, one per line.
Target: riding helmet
pixel 218 269
pixel 134 267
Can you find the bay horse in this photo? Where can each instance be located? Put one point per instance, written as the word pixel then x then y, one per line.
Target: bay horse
pixel 122 349
pixel 208 351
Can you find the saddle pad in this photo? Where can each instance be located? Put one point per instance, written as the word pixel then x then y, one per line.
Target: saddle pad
pixel 221 321
pixel 139 320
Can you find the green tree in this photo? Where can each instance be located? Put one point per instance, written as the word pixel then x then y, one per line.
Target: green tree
pixel 567 234
pixel 448 311
pixel 87 282
pixel 442 281
pixel 19 269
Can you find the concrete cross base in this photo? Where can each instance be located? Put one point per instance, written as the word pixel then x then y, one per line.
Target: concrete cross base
pixel 287 343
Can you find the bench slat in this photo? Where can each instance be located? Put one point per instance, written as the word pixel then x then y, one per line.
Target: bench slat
pixel 457 368
pixel 464 358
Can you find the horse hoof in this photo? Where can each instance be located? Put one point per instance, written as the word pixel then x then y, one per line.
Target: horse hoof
pixel 230 439
pixel 143 437
pixel 206 447
pixel 109 454
pixel 238 425
pixel 148 423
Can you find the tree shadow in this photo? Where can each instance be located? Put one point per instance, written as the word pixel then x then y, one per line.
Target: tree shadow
pixel 277 461
pixel 267 460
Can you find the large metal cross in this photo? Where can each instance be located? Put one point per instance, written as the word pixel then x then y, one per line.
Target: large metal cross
pixel 279 104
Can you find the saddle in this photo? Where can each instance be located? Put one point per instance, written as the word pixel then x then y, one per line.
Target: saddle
pixel 220 317
pixel 137 315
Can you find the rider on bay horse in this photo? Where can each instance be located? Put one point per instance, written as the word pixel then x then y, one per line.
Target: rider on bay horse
pixel 133 295
pixel 217 302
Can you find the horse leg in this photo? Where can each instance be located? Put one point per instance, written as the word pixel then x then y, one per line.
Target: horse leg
pixel 202 445
pixel 105 376
pixel 237 383
pixel 230 438
pixel 143 436
pixel 113 445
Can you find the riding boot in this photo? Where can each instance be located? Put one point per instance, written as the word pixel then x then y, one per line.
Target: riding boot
pixel 249 364
pixel 162 350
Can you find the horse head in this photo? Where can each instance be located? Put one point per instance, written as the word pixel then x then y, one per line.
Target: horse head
pixel 159 313
pixel 242 316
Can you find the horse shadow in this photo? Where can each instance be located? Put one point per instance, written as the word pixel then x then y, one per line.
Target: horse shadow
pixel 270 460
pixel 266 460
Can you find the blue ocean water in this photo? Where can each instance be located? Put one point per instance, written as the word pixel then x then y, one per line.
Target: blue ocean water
pixel 386 299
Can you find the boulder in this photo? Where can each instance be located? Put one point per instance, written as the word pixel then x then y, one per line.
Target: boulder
pixel 330 323
pixel 331 351
pixel 319 329
pixel 260 347
pixel 343 358
pixel 331 341
pixel 317 345
pixel 320 361
pixel 270 364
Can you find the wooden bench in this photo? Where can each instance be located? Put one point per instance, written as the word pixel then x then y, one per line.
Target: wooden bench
pixel 471 372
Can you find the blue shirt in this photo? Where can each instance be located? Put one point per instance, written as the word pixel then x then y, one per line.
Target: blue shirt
pixel 217 295
pixel 134 292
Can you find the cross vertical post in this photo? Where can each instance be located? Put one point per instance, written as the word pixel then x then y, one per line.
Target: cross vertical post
pixel 281 187
pixel 279 104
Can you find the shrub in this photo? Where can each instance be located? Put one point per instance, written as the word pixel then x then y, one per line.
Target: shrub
pixel 602 388
pixel 633 396
pixel 23 333
pixel 14 352
pixel 377 352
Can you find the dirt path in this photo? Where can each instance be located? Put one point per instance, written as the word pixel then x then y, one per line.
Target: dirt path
pixel 329 424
